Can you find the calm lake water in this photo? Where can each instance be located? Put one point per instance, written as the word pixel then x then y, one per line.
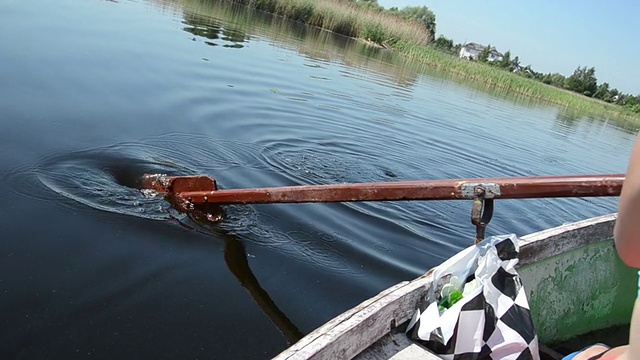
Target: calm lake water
pixel 96 93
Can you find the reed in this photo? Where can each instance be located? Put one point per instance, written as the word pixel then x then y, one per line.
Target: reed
pixel 347 19
pixel 410 40
pixel 510 82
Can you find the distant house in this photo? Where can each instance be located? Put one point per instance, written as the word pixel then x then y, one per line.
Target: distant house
pixel 473 50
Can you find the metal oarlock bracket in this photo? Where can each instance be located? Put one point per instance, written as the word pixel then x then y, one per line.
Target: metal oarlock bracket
pixel 490 190
pixel 482 210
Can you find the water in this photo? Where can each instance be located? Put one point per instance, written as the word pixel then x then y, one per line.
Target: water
pixel 97 93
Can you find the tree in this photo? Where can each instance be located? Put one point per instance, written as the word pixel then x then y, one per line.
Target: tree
pixel 632 101
pixel 555 79
pixel 456 48
pixel 602 92
pixel 423 15
pixel 515 64
pixel 528 72
pixel 442 43
pixel 583 81
pixel 505 63
pixel 484 54
pixel 614 95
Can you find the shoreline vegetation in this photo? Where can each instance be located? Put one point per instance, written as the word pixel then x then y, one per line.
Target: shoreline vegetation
pixel 412 35
pixel 346 18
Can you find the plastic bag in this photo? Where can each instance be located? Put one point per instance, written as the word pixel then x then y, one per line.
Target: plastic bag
pixel 477 307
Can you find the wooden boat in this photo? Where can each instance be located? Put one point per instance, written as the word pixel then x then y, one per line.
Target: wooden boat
pixel 575 283
pixel 579 293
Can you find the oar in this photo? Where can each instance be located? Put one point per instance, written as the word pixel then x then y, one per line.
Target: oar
pixel 203 190
pixel 187 193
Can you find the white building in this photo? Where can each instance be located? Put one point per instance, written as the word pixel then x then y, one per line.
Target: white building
pixel 473 50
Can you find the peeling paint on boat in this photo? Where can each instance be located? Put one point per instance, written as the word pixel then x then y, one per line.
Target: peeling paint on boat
pixel 573 296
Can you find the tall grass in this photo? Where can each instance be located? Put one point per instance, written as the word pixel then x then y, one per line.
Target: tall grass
pixel 510 82
pixel 347 19
pixel 410 43
pixel 412 39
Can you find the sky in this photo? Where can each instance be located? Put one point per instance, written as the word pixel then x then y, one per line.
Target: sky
pixel 550 35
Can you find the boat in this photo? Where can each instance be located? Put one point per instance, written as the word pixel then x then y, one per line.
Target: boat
pixel 578 289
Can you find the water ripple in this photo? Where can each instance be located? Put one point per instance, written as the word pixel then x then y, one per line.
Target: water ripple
pixel 108 178
pixel 336 161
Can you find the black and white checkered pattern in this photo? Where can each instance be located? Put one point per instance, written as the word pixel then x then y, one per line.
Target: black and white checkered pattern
pixel 492 322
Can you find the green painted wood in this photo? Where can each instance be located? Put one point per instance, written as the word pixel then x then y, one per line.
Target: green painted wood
pixel 579 291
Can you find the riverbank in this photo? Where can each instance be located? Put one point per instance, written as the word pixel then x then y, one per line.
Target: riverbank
pixel 412 40
pixel 347 19
pixel 511 82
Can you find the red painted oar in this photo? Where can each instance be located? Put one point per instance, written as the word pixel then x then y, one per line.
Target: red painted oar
pixel 203 190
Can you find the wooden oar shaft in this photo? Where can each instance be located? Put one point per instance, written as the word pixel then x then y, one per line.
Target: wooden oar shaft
pixel 497 188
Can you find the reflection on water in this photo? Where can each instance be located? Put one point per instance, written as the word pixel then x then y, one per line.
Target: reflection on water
pixel 121 273
pixel 321 45
pixel 205 16
pixel 213 30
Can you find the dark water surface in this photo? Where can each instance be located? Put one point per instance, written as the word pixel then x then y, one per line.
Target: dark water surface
pixel 96 93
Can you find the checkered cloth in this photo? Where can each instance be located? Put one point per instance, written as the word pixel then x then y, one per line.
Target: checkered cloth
pixel 491 322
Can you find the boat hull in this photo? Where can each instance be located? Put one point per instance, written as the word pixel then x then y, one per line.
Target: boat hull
pixel 584 287
pixel 574 280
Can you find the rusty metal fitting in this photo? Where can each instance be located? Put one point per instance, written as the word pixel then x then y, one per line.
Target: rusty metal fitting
pixel 481 212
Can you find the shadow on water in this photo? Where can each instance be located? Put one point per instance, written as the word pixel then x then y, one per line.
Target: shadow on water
pixel 235 257
pixel 108 179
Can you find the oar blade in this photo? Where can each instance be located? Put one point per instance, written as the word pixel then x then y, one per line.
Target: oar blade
pixel 178 184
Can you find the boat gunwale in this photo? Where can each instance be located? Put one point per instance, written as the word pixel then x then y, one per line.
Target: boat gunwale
pixel 363 325
pixel 371 319
pixel 566 237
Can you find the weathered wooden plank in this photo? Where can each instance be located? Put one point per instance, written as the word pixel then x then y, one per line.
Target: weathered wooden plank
pixel 396 346
pixel 558 240
pixel 575 281
pixel 353 331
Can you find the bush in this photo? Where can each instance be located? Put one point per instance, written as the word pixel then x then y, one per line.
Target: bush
pixel 301 12
pixel 373 33
pixel 266 5
pixel 345 26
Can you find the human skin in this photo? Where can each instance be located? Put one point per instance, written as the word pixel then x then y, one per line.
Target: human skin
pixel 627 228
